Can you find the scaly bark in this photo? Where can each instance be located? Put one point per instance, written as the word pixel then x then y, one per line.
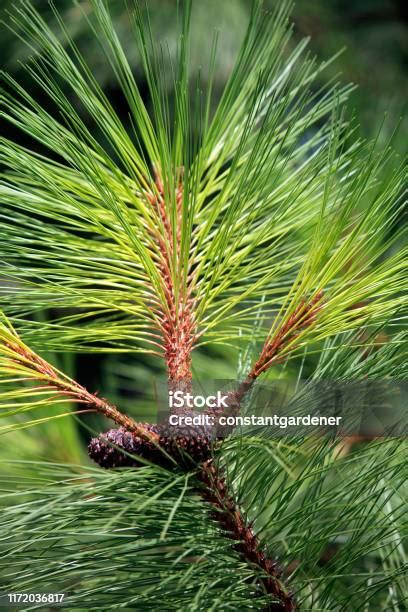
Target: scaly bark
pixel 228 514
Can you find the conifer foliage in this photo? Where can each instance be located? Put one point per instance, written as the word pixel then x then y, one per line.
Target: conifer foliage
pixel 261 221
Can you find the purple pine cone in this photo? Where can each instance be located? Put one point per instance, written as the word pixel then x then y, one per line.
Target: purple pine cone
pixel 185 450
pixel 104 449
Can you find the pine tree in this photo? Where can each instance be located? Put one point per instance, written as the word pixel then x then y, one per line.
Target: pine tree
pixel 268 225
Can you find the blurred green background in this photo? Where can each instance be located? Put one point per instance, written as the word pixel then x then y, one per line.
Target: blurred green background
pixel 374 35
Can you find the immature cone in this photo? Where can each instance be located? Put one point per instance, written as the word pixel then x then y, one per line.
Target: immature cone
pixel 187 451
pixel 187 446
pixel 105 449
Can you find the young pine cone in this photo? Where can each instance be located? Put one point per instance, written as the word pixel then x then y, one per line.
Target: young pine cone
pixel 105 449
pixel 185 450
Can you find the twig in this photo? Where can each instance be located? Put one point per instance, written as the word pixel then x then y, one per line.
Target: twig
pixel 303 316
pixel 229 516
pixel 177 323
pixel 43 371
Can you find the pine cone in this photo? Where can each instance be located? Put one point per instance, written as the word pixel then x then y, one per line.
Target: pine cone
pixel 105 449
pixel 186 450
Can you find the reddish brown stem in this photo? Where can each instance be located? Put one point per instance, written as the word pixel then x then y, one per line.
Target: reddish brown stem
pixel 229 516
pixel 111 412
pixel 176 317
pixel 46 373
pixel 303 316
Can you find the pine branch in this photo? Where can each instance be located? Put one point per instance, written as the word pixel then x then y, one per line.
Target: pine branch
pixel 176 319
pixel 227 513
pixel 16 358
